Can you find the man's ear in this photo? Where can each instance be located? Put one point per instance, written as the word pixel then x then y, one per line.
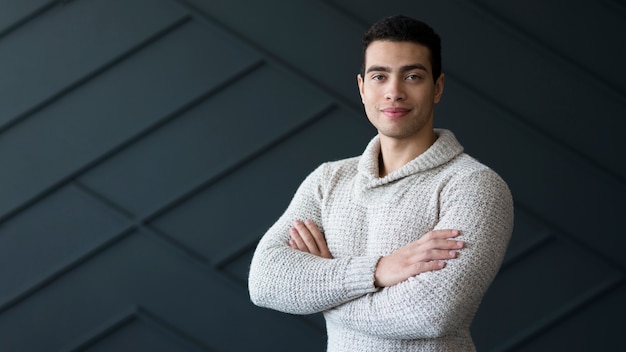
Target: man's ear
pixel 439 87
pixel 359 80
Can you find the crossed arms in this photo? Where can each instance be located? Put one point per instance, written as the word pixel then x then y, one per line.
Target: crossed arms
pixel 422 255
pixel 426 289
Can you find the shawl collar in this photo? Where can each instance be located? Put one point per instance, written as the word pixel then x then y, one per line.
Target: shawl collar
pixel 445 148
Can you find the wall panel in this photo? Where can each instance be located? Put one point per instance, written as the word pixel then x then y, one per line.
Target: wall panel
pixel 146 145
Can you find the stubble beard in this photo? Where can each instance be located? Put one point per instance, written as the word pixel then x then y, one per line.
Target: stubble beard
pixel 402 130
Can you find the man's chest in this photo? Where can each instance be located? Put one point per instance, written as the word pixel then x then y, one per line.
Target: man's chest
pixel 378 221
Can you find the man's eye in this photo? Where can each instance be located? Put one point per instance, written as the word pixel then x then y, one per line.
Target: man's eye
pixel 378 77
pixel 413 77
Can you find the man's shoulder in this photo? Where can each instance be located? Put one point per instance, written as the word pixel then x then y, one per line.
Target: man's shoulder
pixel 465 163
pixel 465 169
pixel 338 168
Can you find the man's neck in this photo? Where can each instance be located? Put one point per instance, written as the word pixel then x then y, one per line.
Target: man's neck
pixel 395 153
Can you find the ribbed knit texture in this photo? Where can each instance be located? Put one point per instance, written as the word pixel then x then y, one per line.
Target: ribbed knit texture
pixel 365 217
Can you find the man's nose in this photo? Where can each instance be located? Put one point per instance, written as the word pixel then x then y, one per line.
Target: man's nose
pixel 395 91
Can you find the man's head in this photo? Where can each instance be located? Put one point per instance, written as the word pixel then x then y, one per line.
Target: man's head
pixel 401 80
pixel 405 29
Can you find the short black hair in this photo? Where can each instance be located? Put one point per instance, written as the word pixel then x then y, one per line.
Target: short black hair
pixel 405 29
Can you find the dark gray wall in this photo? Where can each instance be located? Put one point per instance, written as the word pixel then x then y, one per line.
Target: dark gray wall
pixel 145 146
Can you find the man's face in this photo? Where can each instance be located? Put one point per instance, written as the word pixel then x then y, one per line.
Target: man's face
pixel 398 90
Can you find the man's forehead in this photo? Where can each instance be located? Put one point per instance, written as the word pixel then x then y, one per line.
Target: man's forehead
pixel 397 54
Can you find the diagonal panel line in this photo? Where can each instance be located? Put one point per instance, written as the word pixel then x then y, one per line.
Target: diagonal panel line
pixel 29 17
pixel 103 200
pixel 526 252
pixel 537 130
pixel 63 269
pixel 109 327
pixel 346 13
pixel 190 105
pixel 240 163
pixel 203 16
pixel 167 328
pixel 138 224
pixel 541 46
pixel 134 227
pixel 107 154
pixel 126 317
pixel 189 254
pixel 144 221
pixel 221 261
pixel 98 71
pixel 573 240
pixel 553 319
pixel 175 244
pixel 111 152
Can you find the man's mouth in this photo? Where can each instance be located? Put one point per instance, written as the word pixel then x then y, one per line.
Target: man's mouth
pixel 395 112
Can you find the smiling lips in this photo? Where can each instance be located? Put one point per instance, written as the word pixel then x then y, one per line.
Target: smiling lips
pixel 395 112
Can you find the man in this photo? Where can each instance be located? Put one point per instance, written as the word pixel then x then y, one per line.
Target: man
pixel 398 246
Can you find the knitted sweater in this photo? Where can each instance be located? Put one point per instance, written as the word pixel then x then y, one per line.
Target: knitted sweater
pixel 365 217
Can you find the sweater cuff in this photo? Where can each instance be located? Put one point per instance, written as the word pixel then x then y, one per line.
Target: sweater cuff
pixel 360 276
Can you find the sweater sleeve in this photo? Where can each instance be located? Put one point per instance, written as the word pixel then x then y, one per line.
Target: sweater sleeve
pixel 292 281
pixel 439 303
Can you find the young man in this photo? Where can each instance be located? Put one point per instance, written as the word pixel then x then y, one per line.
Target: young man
pixel 398 246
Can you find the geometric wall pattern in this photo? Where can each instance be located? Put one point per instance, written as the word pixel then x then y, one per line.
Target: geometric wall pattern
pixel 146 145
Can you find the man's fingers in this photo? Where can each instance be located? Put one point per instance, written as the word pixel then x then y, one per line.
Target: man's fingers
pixel 446 233
pixel 320 240
pixel 439 254
pixel 307 237
pixel 425 254
pixel 434 244
pixel 296 241
pixel 427 266
pixel 443 250
pixel 447 244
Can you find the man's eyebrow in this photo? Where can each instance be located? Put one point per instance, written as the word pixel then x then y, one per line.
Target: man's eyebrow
pixel 378 69
pixel 402 69
pixel 413 67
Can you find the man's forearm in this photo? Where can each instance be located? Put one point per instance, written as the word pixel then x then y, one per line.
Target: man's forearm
pixel 289 280
pixel 428 305
pixel 296 282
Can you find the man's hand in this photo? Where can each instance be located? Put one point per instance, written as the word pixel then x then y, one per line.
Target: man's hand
pixel 422 255
pixel 306 237
pixel 417 257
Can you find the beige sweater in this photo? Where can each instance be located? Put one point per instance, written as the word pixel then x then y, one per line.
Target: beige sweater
pixel 365 217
